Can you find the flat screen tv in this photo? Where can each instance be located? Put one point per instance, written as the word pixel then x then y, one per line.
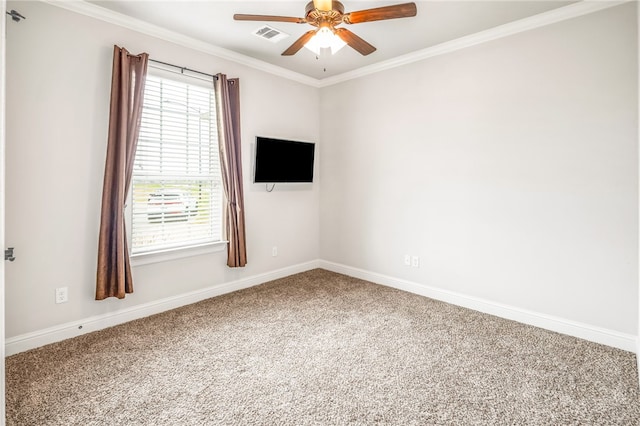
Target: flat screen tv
pixel 282 161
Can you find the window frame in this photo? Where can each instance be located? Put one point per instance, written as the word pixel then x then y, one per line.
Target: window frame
pixel 179 252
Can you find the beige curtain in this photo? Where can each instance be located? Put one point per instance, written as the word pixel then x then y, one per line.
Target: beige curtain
pixel 127 88
pixel 228 110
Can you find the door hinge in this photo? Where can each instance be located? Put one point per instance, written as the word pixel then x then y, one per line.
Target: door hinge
pixel 8 254
pixel 15 16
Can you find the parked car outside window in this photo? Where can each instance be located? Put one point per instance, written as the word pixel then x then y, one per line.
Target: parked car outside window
pixel 171 205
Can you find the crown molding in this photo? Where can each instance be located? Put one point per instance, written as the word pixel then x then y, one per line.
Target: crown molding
pixel 536 21
pixel 94 11
pixel 574 10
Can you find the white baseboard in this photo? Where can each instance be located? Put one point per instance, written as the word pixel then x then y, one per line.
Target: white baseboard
pixel 603 336
pixel 54 334
pixel 57 333
pixel 638 359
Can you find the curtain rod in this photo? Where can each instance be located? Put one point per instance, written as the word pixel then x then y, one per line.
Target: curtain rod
pixel 183 69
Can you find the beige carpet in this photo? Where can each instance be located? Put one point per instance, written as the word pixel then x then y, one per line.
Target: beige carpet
pixel 324 349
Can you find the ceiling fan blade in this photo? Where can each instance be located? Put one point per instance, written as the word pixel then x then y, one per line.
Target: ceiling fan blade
pixel 297 45
pixel 355 42
pixel 243 17
pixel 404 10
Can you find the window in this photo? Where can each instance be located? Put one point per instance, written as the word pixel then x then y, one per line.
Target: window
pixel 176 186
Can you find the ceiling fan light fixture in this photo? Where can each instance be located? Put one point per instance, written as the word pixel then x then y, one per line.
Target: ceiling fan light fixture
pixel 323 39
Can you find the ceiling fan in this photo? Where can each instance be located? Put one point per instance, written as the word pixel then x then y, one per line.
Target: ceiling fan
pixel 327 14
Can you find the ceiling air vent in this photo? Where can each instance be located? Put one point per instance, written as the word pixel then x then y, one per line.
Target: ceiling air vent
pixel 269 33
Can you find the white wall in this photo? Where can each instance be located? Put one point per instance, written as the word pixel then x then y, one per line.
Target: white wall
pixel 58 81
pixel 510 168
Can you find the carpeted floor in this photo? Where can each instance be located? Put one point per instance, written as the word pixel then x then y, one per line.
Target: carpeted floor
pixel 324 349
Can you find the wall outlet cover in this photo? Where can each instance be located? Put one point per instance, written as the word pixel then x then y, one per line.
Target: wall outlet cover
pixel 62 294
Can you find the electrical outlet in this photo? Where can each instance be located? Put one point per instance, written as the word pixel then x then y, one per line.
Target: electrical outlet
pixel 415 261
pixel 274 251
pixel 62 294
pixel 407 260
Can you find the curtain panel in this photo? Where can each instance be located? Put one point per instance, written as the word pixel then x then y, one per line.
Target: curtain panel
pixel 228 110
pixel 127 89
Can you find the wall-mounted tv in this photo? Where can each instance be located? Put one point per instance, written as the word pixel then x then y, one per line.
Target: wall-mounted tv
pixel 282 161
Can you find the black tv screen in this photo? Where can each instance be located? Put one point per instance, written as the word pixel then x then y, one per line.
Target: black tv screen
pixel 279 160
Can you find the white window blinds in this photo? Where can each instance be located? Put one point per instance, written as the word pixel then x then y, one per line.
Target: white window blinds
pixel 176 190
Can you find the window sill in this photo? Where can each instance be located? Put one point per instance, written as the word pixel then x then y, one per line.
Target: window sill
pixel 176 253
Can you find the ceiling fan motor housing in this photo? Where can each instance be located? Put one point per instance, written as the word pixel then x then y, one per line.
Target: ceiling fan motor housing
pixel 324 18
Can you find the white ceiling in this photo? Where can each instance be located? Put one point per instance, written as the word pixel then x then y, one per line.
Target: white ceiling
pixel 436 22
